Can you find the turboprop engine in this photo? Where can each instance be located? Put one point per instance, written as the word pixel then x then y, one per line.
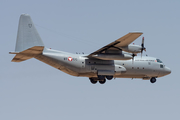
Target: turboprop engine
pixel 132 48
pixel 135 48
pixel 121 53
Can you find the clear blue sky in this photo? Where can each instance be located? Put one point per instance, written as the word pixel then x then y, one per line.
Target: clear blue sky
pixel 32 90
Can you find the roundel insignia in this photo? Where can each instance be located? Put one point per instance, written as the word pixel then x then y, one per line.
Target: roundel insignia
pixel 70 59
pixel 30 25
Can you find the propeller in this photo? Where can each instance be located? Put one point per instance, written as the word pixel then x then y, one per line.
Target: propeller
pixel 133 55
pixel 142 46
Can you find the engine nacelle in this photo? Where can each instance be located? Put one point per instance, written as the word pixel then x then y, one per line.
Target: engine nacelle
pixel 132 48
pixel 113 56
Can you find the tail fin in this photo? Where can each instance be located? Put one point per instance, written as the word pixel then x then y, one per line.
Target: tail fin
pixel 28 41
pixel 27 36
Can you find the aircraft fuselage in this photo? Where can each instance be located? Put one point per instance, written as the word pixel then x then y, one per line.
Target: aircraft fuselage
pixel 80 65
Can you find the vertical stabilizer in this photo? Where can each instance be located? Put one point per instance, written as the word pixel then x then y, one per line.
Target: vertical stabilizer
pixel 27 35
pixel 28 42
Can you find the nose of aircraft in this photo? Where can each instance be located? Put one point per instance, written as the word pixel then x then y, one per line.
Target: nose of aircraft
pixel 167 70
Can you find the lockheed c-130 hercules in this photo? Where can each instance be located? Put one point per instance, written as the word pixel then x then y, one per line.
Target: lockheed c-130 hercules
pixel 116 60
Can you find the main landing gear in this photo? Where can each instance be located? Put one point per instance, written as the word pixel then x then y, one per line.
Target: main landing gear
pixel 153 80
pixel 109 77
pixel 93 81
pixel 101 79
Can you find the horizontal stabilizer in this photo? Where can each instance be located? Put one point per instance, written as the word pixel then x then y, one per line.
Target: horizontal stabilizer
pixel 27 54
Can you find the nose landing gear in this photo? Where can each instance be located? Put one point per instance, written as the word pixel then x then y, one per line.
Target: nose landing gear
pixel 153 80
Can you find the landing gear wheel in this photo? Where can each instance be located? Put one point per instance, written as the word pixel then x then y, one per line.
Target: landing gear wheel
pixel 93 81
pixel 109 77
pixel 101 77
pixel 102 81
pixel 153 80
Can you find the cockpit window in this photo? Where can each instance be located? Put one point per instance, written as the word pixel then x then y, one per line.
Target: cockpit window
pixel 159 61
pixel 161 66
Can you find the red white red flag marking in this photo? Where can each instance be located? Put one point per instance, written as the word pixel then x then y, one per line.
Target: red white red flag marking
pixel 70 59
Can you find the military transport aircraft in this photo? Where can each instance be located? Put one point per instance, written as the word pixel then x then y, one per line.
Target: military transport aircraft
pixel 116 60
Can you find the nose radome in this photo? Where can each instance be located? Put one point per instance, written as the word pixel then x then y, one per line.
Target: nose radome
pixel 167 70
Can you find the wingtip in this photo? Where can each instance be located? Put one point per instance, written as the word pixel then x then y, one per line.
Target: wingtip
pixel 13 52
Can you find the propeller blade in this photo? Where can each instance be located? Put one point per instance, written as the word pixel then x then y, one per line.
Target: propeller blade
pixel 142 46
pixel 133 55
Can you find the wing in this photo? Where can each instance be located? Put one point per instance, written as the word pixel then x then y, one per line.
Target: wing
pixel 121 42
